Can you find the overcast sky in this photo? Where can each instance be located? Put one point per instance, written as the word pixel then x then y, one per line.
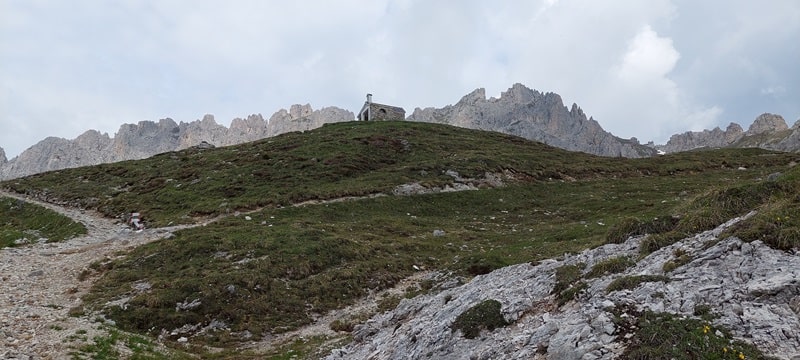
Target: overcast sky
pixel 647 69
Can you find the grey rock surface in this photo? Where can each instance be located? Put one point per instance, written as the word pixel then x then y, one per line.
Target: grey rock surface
pixel 767 123
pixel 753 288
pixel 715 138
pixel 536 116
pixel 148 138
pixel 768 131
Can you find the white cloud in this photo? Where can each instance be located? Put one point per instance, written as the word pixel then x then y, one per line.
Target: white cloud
pixel 649 58
pixel 641 68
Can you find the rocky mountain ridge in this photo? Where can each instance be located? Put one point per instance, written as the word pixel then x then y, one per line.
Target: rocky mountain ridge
pixel 518 111
pixel 754 291
pixel 535 116
pixel 147 138
pixel 768 131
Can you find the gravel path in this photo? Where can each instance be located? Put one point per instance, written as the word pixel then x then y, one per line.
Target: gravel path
pixel 40 283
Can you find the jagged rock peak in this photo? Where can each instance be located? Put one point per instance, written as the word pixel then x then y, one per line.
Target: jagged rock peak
pixel 519 93
pixel 297 111
pixel 734 128
pixel 147 138
pixel 3 159
pixel 477 95
pixel 533 115
pixel 208 119
pixel 767 122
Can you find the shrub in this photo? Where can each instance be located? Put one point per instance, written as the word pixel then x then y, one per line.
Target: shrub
pixel 485 315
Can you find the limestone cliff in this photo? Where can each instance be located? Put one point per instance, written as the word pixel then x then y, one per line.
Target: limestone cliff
pixel 533 115
pixel 752 288
pixel 147 138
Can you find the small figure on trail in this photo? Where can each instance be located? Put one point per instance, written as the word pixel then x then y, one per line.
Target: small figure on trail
pixel 135 221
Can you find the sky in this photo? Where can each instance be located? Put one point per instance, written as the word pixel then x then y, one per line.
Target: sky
pixel 644 69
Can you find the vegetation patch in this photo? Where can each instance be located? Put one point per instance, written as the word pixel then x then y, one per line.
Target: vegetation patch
pixel 567 284
pixel 775 202
pixel 571 293
pixel 23 222
pixel 666 336
pixel 285 264
pixel 632 226
pixel 483 316
pixel 612 265
pixel 681 257
pixel 777 225
pixel 112 345
pixel 631 282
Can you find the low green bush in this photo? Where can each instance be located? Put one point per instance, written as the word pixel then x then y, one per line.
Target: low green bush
pixel 484 316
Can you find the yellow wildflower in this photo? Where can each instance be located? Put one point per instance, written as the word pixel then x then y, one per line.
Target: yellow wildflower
pixel 741 356
pixel 725 350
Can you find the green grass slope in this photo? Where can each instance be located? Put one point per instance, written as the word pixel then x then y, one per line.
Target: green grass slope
pixel 20 220
pixel 281 266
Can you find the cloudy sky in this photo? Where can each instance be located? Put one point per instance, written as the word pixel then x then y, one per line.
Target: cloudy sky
pixel 641 68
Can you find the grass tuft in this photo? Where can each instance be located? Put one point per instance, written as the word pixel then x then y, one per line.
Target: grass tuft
pixel 632 281
pixel 612 265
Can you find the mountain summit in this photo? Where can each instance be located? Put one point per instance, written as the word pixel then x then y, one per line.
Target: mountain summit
pixel 536 116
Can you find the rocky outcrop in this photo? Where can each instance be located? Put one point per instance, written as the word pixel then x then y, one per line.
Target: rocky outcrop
pixel 715 138
pixel 301 118
pixel 754 290
pixel 767 123
pixel 768 131
pixel 147 138
pixel 536 116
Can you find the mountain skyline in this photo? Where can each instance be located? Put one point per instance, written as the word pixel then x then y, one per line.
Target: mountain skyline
pixel 641 69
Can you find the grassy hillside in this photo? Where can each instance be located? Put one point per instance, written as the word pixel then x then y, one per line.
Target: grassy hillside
pixel 22 222
pixel 280 266
pixel 338 160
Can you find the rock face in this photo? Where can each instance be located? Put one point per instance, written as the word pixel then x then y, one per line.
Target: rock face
pixel 767 123
pixel 707 138
pixel 754 289
pixel 768 131
pixel 147 138
pixel 536 116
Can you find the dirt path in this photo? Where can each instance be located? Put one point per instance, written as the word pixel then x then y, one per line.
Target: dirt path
pixel 39 283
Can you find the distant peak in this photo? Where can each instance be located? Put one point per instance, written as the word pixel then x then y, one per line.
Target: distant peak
pixel 209 118
pixel 476 95
pixel 767 122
